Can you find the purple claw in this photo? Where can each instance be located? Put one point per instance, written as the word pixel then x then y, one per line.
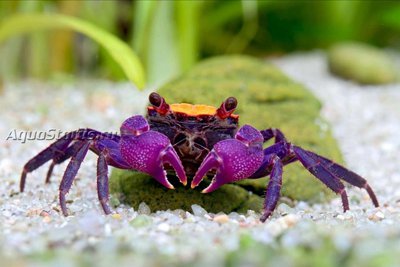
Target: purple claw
pixel 211 161
pixel 234 159
pixel 170 156
pixel 147 151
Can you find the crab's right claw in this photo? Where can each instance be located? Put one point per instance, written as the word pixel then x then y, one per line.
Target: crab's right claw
pixel 148 151
pixel 233 159
pixel 211 162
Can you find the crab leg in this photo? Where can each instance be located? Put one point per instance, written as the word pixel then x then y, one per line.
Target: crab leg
pixel 273 192
pixel 320 171
pixel 308 157
pixel 288 154
pixel 273 133
pixel 70 173
pixel 47 154
pixel 282 150
pixel 69 152
pixel 102 183
pixel 57 151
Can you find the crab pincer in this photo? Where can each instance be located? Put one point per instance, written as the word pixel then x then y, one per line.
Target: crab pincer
pixel 148 151
pixel 233 159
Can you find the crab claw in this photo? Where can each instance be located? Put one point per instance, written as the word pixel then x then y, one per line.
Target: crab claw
pixel 233 159
pixel 148 151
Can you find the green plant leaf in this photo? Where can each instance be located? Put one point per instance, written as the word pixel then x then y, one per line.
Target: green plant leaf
pixel 162 59
pixel 119 51
pixel 390 17
pixel 187 25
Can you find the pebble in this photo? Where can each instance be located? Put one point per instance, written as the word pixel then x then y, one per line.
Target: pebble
pixel 116 216
pixel 163 227
pixel 47 219
pixel 141 220
pixel 221 218
pixel 377 216
pixel 289 220
pixel 198 210
pixel 44 213
pixel 284 209
pixel 144 209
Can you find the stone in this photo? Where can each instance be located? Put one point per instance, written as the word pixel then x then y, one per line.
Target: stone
pixel 362 63
pixel 141 220
pixel 221 218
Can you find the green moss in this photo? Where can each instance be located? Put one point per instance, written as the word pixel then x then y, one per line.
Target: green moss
pixel 362 63
pixel 134 188
pixel 266 98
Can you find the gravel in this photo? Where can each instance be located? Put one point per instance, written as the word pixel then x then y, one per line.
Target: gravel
pixel 365 121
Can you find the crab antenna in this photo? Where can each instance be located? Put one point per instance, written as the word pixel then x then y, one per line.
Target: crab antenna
pixel 158 102
pixel 227 108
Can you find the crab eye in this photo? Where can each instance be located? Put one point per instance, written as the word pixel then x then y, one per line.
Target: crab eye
pixel 159 103
pixel 155 99
pixel 227 108
pixel 230 103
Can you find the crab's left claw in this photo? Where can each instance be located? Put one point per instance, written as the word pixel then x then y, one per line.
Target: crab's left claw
pixel 148 151
pixel 233 159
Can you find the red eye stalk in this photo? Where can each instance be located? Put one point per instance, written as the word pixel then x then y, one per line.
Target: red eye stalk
pixel 158 102
pixel 227 108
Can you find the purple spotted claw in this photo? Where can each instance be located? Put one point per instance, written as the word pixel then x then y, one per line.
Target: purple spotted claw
pixel 233 159
pixel 148 151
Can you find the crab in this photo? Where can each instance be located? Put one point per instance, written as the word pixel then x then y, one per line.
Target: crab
pixel 191 141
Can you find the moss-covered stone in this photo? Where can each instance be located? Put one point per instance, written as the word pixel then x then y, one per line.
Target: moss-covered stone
pixel 362 63
pixel 134 187
pixel 266 98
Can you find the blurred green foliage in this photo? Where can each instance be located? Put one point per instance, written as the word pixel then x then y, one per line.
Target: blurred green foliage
pixel 170 36
pixel 118 50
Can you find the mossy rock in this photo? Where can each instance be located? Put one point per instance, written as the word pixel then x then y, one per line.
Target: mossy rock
pixel 134 188
pixel 362 63
pixel 266 98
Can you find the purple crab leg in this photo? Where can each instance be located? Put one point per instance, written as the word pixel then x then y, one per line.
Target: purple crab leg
pixel 102 183
pixel 286 152
pixel 319 170
pixel 69 152
pixel 57 149
pixel 70 174
pixel 273 192
pixel 282 150
pixel 343 173
pixel 47 154
pixel 108 152
pixel 273 133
